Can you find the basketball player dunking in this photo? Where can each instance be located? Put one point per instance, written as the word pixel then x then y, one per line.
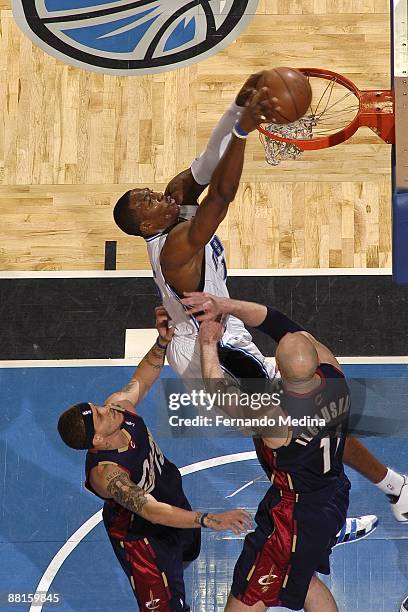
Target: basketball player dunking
pixel 186 255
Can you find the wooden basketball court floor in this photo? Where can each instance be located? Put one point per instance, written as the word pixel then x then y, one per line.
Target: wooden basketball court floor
pixel 72 141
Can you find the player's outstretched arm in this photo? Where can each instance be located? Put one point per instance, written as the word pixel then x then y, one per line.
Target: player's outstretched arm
pixel 186 239
pixel 209 335
pixel 271 321
pixel 113 482
pixel 203 167
pixel 189 184
pixel 148 369
pixel 216 382
pixel 206 307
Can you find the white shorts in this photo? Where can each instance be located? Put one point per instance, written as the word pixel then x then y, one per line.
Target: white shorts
pixel 183 353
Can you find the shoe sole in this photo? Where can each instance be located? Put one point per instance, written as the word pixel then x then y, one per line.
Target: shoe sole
pixel 359 539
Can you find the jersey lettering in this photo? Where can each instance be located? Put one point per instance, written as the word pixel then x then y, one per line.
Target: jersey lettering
pixel 148 479
pixel 218 255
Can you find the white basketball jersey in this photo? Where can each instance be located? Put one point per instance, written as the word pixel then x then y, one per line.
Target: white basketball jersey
pixel 184 353
pixel 215 283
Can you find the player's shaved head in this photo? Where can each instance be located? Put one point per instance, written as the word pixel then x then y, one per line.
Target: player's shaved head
pixel 297 358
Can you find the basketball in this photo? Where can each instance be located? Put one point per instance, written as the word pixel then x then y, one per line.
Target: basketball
pixel 293 91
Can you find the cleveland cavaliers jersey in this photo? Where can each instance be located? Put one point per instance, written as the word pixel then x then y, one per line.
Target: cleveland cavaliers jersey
pixel 149 469
pixel 314 458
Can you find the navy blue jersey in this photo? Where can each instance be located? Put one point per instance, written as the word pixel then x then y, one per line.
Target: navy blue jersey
pixel 149 469
pixel 314 458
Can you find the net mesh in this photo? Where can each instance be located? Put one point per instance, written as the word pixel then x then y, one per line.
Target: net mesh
pixel 277 151
pixel 333 107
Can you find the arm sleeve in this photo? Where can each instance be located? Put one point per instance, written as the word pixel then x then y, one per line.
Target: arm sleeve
pixel 203 166
pixel 277 324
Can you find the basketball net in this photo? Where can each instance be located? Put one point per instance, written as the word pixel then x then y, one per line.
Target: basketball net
pixel 277 151
pixel 337 110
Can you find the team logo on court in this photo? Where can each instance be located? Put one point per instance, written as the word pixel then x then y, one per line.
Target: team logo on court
pixel 266 581
pixel 128 37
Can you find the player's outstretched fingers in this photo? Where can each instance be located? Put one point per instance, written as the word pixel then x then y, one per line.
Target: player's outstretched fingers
pixel 268 105
pixel 246 519
pixel 202 305
pixel 260 105
pixel 162 324
pixel 240 527
pixel 211 331
pixel 248 88
pixel 242 521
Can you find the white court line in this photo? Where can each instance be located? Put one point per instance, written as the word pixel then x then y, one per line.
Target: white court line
pixel 311 272
pixel 89 363
pixel 72 542
pixel 231 272
pixel 374 360
pixel 245 486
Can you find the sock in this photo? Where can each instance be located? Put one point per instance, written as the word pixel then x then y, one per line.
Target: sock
pixel 203 167
pixel 392 483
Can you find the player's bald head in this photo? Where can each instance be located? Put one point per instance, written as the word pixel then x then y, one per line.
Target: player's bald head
pixel 297 358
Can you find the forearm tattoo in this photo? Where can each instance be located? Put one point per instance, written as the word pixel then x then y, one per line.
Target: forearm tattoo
pixel 128 387
pixel 155 353
pixel 158 352
pixel 156 366
pixel 126 492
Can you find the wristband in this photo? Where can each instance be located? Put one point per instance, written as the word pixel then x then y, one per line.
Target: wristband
pixel 277 324
pixel 163 348
pixel 239 132
pixel 202 517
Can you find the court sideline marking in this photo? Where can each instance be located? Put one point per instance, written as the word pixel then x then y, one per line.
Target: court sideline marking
pixel 231 272
pixel 134 361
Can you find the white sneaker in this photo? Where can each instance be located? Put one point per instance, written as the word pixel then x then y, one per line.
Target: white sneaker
pixel 355 529
pixel 404 605
pixel 399 504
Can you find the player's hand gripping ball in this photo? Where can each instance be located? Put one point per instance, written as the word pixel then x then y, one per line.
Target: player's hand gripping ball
pixel 290 92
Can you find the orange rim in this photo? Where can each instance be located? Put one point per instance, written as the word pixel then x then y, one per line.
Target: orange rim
pixel 374 109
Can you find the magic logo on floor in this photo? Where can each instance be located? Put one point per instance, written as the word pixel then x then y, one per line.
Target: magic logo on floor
pixel 130 38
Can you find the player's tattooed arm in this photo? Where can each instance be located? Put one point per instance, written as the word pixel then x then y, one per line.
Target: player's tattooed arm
pixel 125 492
pixel 143 378
pixel 151 364
pixel 149 368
